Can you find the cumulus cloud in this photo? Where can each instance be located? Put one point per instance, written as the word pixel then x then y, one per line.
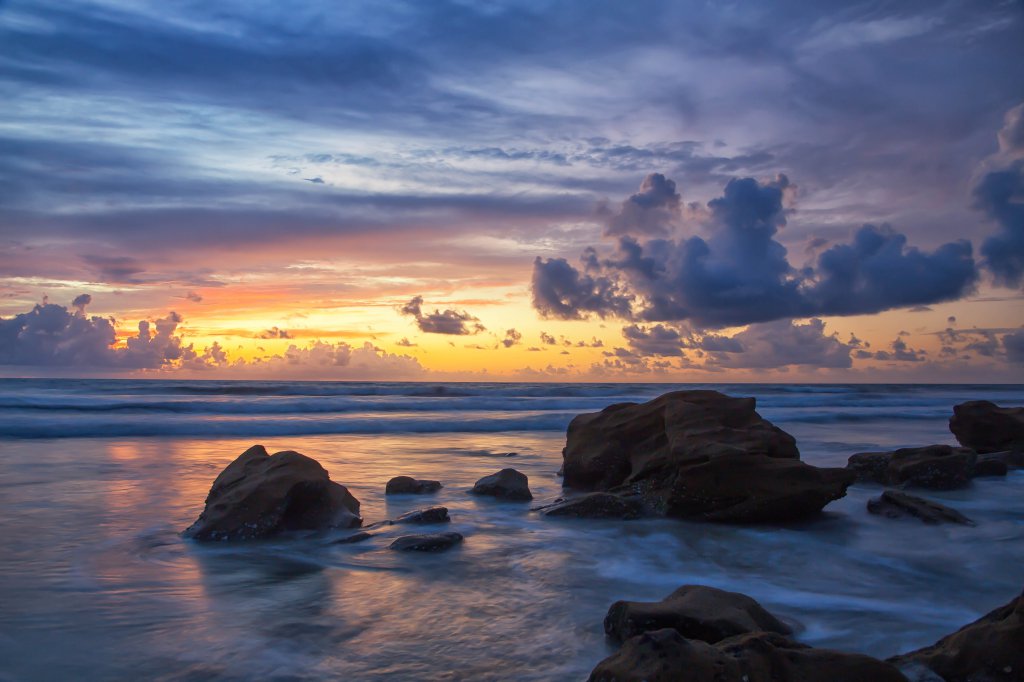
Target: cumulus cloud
pixel 999 193
pixel 448 321
pixel 512 337
pixel 898 351
pixel 548 339
pixel 1014 346
pixel 194 297
pixel 741 275
pixel 782 343
pixel 274 333
pixel 654 210
pixel 656 340
pixel 405 342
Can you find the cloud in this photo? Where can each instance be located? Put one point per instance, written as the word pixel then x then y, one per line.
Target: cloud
pixel 1013 344
pixel 448 321
pixel 405 342
pixel 741 275
pixel 194 297
pixel 548 339
pixel 656 340
pixel 899 352
pixel 512 337
pixel 274 333
pixel 783 343
pixel 116 269
pixel 1000 195
pixel 654 210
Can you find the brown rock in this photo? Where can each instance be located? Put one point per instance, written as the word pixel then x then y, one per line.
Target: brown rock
pixel 259 495
pixel 507 484
pixel 696 612
pixel 698 454
pixel 986 427
pixel 407 485
pixel 991 649
pixel 937 467
pixel 667 656
pixel 894 504
pixel 428 515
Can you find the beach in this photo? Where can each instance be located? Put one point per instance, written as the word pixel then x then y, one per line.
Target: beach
pixel 99 477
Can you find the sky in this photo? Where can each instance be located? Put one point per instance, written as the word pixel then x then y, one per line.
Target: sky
pixel 513 190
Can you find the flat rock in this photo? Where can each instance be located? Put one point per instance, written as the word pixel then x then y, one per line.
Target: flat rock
pixel 428 515
pixel 430 542
pixel 259 495
pixel 936 467
pixel 596 506
pixel 698 454
pixel 351 539
pixel 696 612
pixel 407 485
pixel 991 649
pixel 667 656
pixel 507 484
pixel 983 426
pixel 895 504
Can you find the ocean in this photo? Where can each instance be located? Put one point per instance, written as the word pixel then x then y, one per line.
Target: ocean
pixel 98 478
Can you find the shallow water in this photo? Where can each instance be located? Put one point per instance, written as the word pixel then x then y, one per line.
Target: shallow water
pixel 95 582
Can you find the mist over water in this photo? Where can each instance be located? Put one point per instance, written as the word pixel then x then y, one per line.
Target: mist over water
pixel 97 478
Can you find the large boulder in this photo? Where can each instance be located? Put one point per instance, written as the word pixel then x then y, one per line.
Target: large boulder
pixel 937 467
pixel 991 649
pixel 507 484
pixel 696 612
pixel 667 656
pixel 895 504
pixel 407 485
pixel 259 495
pixel 986 427
pixel 698 454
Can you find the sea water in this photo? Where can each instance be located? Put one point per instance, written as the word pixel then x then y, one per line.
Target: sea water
pixel 98 478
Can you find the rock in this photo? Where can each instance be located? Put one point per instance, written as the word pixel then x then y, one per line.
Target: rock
pixel 507 484
pixel 696 612
pixel 666 656
pixel 993 464
pixel 991 649
pixel 986 427
pixel 407 485
pixel 596 506
pixel 698 454
pixel 428 515
pixel 351 539
pixel 937 467
pixel 259 495
pixel 894 504
pixel 431 542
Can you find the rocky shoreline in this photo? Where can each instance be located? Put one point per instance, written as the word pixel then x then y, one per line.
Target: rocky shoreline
pixel 695 455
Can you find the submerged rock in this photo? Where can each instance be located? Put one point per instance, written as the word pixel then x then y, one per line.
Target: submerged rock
pixel 698 454
pixel 507 484
pixel 259 495
pixel 667 656
pixel 895 504
pixel 937 467
pixel 428 515
pixel 991 649
pixel 430 542
pixel 985 427
pixel 696 612
pixel 407 485
pixel 596 506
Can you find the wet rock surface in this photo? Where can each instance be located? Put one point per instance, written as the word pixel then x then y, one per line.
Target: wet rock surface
pixel 507 484
pixel 936 467
pixel 896 504
pixel 407 485
pixel 985 427
pixel 428 542
pixel 596 506
pixel 428 515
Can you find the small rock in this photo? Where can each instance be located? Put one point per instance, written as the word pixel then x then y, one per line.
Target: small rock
pixel 407 485
pixel 357 537
pixel 507 484
pixel 696 612
pixel 894 504
pixel 428 515
pixel 595 506
pixel 432 542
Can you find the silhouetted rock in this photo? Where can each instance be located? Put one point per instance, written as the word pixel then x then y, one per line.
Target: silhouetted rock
pixel 428 515
pixel 351 539
pixel 407 485
pixel 666 656
pixel 994 464
pixel 937 467
pixel 894 504
pixel 698 454
pixel 596 506
pixel 259 495
pixel 991 649
pixel 432 542
pixel 696 612
pixel 507 484
pixel 986 427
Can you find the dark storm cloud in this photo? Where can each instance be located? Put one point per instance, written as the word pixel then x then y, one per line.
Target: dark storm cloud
pixel 448 321
pixel 740 274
